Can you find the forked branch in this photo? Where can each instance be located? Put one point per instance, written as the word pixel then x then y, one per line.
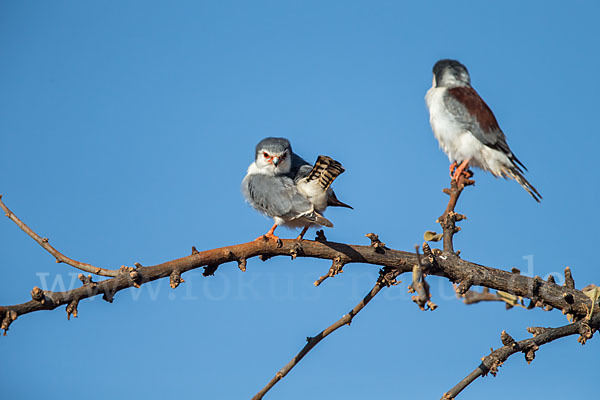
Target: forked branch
pixel 585 328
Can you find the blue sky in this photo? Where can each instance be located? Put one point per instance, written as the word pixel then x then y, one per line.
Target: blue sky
pixel 126 128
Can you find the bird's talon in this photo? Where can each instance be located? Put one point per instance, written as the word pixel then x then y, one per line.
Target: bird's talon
pixel 452 169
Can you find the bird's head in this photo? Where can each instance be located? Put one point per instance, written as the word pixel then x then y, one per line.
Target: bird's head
pixel 450 73
pixel 274 156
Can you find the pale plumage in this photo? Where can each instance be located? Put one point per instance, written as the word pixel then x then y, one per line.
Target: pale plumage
pixel 282 185
pixel 466 128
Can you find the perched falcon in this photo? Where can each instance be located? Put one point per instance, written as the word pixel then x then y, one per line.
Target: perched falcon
pixel 283 186
pixel 466 128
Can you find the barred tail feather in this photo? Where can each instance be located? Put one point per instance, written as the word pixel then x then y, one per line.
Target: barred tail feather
pixel 326 169
pixel 515 174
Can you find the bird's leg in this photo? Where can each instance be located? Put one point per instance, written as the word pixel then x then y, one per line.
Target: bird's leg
pixel 269 235
pixel 460 170
pixel 452 168
pixel 301 235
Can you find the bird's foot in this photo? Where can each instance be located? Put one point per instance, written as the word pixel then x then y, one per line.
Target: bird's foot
pixel 462 169
pixel 452 168
pixel 269 236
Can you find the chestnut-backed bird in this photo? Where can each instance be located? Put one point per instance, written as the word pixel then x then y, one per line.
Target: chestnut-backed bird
pixel 283 186
pixel 466 128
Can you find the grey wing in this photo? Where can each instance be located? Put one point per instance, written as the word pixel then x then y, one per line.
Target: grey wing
pixel 275 196
pixel 300 168
pixel 302 172
pixel 481 122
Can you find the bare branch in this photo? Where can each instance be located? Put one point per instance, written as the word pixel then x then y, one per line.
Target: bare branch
pixel 571 301
pixel 449 218
pixel 447 263
pixel 419 285
pixel 387 277
pixel 57 254
pixel 528 347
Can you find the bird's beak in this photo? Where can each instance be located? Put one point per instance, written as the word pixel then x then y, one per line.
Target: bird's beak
pixel 275 161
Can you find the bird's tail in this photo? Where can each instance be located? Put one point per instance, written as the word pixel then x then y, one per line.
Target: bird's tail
pixel 333 201
pixel 516 174
pixel 316 218
pixel 325 170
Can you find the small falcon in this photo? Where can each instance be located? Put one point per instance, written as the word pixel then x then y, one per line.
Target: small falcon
pixel 281 185
pixel 466 128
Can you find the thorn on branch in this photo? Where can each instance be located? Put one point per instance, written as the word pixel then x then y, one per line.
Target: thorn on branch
pixel 537 283
pixel 376 243
pixel 568 312
pixel 108 297
pixel 9 317
pixel 320 237
pixel 551 279
pixel 242 264
pixel 136 277
pixel 210 269
pixel 464 286
pixel 72 309
pixel 336 268
pixel 585 332
pixel 264 257
pixel 194 251
pixel 228 254
pixel 530 353
pixel 496 364
pixel 86 280
pixel 536 330
pixel 37 294
pixel 175 279
pixel 428 253
pixel 132 274
pixel 569 281
pixel 296 249
pixel 387 276
pixel 507 340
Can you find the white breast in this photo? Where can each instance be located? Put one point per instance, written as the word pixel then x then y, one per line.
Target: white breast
pixel 314 193
pixel 457 141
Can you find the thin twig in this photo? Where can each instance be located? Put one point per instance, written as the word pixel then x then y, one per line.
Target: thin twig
pixel 57 254
pixel 496 358
pixel 450 217
pixel 473 297
pixel 387 277
pixel 420 286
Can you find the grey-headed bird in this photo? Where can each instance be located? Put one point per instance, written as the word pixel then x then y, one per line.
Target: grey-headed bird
pixel 466 128
pixel 282 185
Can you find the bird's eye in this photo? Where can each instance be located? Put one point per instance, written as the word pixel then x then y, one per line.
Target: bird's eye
pixel 266 154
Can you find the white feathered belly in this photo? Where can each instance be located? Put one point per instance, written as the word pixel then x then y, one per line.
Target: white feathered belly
pixel 314 193
pixel 459 143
